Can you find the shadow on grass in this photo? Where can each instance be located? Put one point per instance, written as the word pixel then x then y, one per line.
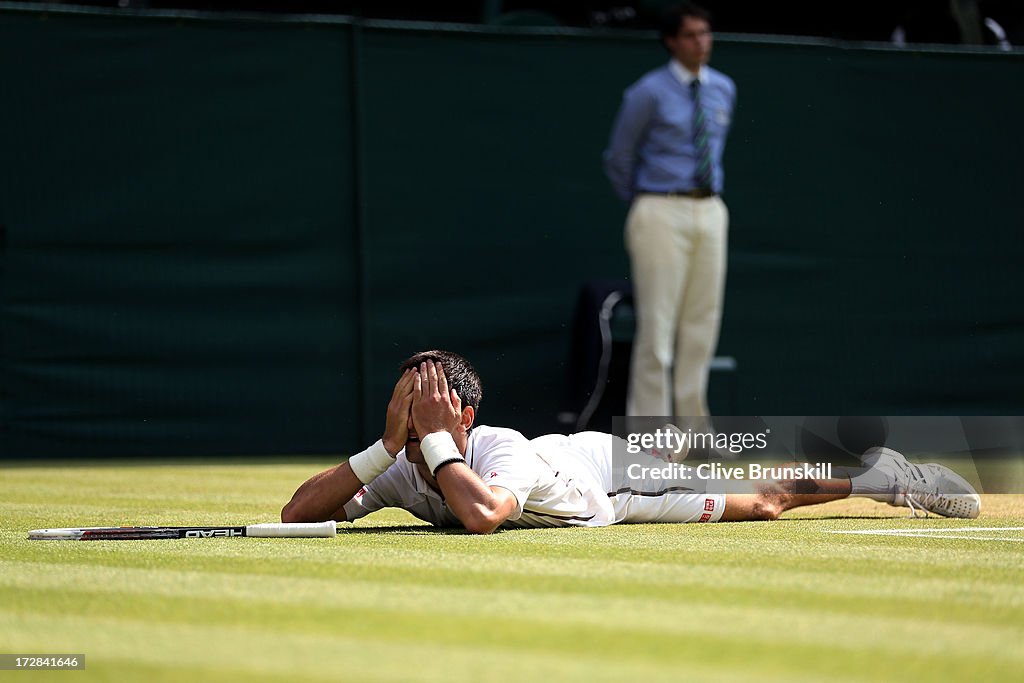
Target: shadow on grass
pixel 829 518
pixel 424 530
pixel 404 530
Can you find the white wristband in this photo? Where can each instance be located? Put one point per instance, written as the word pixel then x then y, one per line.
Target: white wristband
pixel 439 448
pixel 371 463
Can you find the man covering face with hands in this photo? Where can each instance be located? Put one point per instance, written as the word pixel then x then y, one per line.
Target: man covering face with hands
pixel 433 462
pixel 430 460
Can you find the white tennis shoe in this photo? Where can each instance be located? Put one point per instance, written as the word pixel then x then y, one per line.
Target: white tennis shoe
pixel 929 487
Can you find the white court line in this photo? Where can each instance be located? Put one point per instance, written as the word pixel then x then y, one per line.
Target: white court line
pixel 943 530
pixel 971 538
pixel 940 533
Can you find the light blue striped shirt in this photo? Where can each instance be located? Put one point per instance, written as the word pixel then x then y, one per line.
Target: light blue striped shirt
pixel 651 146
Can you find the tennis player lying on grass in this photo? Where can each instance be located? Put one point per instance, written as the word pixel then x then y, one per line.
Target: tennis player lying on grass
pixel 434 463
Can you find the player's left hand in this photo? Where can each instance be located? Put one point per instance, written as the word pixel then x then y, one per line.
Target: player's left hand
pixel 435 407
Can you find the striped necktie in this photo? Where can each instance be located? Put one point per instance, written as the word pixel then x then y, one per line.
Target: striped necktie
pixel 704 173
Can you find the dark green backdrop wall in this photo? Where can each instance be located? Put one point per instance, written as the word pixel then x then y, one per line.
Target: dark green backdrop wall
pixel 221 235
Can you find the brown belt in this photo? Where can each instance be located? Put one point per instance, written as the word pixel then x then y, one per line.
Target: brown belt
pixel 693 194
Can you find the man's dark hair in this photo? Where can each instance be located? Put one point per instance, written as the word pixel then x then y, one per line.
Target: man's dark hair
pixel 672 18
pixel 461 375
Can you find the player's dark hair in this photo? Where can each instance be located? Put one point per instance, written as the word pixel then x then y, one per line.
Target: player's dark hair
pixel 672 18
pixel 462 377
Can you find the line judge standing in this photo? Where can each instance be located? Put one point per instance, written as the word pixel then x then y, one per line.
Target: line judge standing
pixel 665 156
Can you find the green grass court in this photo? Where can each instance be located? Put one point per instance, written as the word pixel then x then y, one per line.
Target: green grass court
pixel 390 600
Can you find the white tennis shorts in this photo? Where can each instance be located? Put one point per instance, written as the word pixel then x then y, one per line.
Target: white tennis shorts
pixel 635 500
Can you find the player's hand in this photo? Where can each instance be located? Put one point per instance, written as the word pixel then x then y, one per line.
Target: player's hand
pixel 396 428
pixel 435 407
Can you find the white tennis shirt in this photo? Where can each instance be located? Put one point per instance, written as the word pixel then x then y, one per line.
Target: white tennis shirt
pixel 556 480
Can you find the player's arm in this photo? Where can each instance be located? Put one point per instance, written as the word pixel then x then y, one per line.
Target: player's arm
pixel 324 495
pixel 437 414
pixel 479 507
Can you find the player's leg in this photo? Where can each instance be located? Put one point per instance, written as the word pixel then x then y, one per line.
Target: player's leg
pixel 659 258
pixel 701 307
pixel 770 499
pixel 642 493
pixel 888 477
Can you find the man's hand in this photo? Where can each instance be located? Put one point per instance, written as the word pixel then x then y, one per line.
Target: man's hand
pixel 435 407
pixel 396 429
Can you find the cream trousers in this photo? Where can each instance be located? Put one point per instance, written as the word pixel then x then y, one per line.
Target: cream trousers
pixel 677 249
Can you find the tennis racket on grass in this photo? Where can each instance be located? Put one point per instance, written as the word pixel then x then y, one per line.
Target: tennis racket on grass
pixel 326 529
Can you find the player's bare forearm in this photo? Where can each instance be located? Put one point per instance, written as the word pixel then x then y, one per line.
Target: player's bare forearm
pixel 323 496
pixel 479 507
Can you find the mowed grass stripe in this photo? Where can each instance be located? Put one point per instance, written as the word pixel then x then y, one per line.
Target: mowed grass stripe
pixel 419 643
pixel 813 551
pixel 192 478
pixel 118 669
pixel 392 600
pixel 994 578
pixel 660 543
pixel 372 654
pixel 990 604
pixel 191 596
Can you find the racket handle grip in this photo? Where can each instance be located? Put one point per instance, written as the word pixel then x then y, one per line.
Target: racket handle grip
pixel 328 529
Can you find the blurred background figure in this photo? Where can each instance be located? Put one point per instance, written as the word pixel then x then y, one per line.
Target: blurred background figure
pixel 665 157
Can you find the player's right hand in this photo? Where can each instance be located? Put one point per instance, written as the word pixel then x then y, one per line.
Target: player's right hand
pixel 396 429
